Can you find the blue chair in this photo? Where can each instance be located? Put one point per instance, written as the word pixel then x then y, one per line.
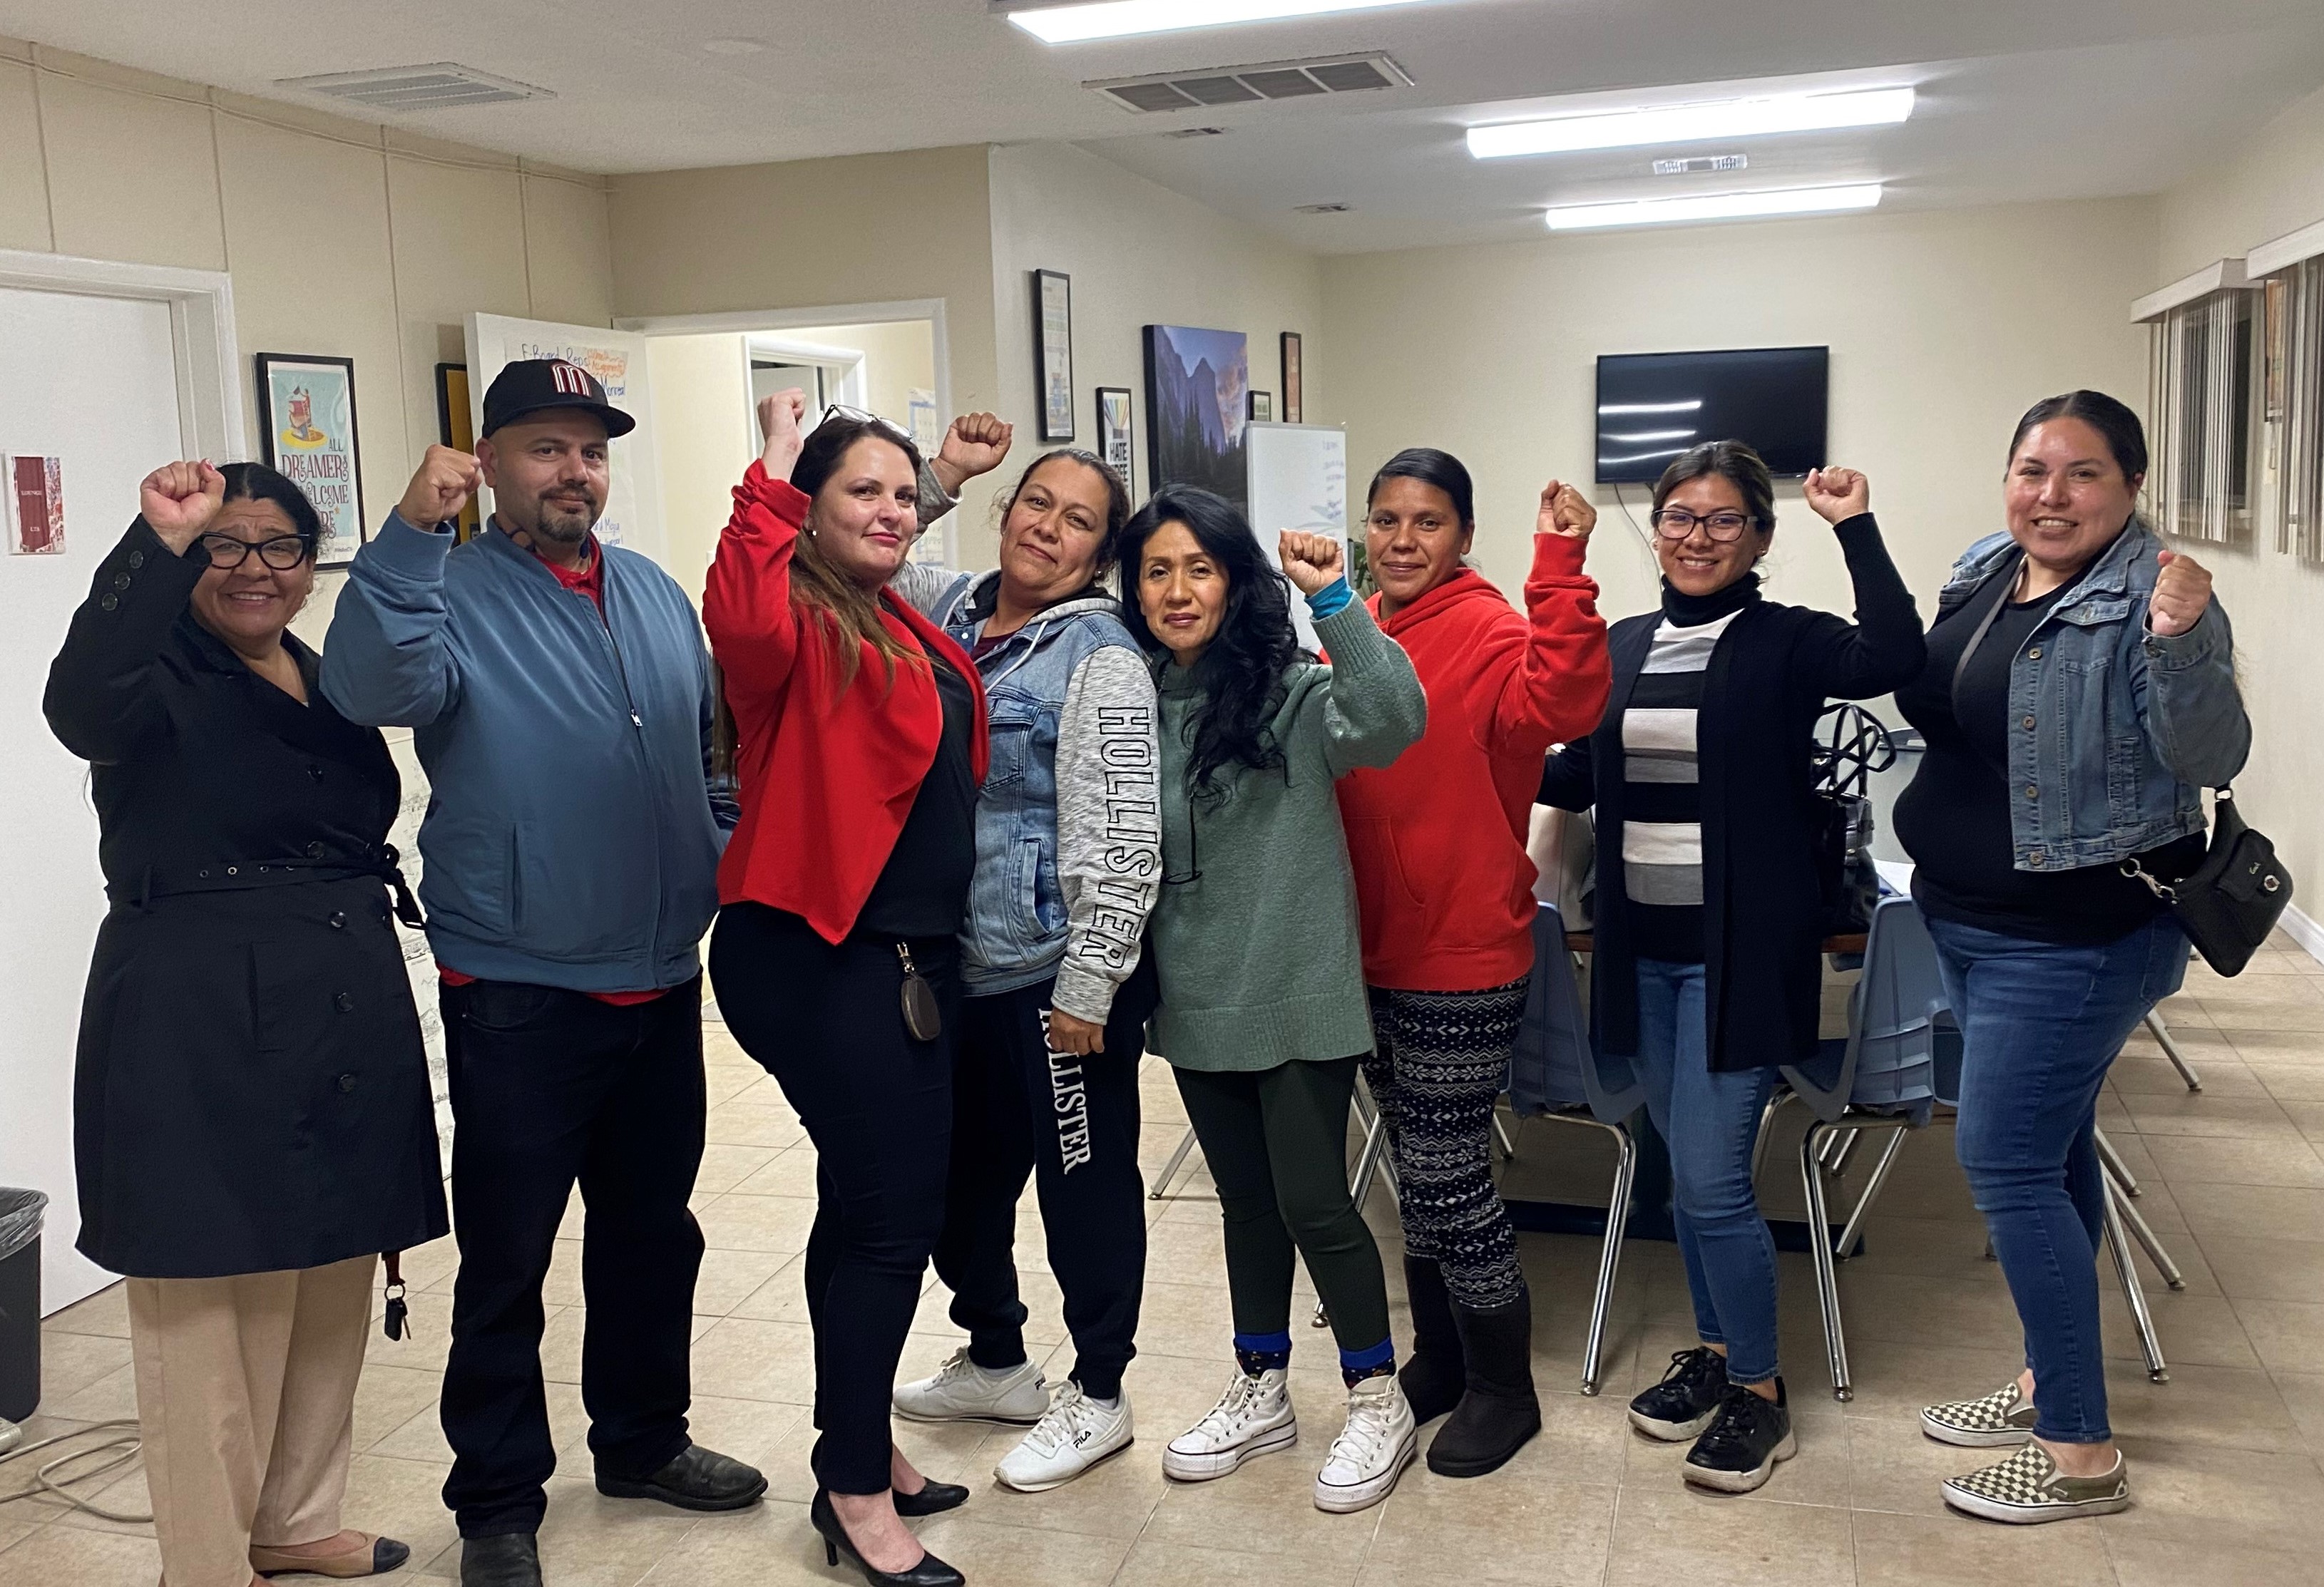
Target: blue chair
pixel 1555 1074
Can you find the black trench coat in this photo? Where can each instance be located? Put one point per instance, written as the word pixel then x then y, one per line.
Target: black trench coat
pixel 252 1092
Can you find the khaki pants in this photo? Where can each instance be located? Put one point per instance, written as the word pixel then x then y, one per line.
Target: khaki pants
pixel 245 1397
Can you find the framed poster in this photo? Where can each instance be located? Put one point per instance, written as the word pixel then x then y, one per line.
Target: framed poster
pixel 1196 382
pixel 1113 435
pixel 455 427
pixel 35 502
pixel 307 420
pixel 1295 385
pixel 1262 407
pixel 1053 352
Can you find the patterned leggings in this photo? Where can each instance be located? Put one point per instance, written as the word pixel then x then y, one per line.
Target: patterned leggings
pixel 1440 1060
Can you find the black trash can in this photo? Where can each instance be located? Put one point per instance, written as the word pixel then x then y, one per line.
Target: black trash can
pixel 20 1303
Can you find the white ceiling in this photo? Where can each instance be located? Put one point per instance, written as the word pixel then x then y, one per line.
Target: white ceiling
pixel 2021 100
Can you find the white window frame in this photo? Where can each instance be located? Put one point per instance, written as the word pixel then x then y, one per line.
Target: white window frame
pixel 2204 379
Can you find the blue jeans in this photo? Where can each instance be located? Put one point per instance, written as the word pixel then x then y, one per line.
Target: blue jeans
pixel 1710 1121
pixel 2040 1024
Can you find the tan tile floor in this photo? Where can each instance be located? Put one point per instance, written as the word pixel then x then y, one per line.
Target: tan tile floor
pixel 2224 1457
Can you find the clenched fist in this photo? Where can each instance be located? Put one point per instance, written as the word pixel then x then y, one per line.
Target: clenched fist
pixel 974 445
pixel 437 493
pixel 1310 561
pixel 2182 590
pixel 778 421
pixel 178 500
pixel 1565 511
pixel 1837 495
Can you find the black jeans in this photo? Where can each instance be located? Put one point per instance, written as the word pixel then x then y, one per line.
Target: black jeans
pixel 827 1022
pixel 1072 1122
pixel 547 1087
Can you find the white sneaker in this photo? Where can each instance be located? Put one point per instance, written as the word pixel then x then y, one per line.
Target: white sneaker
pixel 1077 1432
pixel 1366 1458
pixel 1252 1417
pixel 963 1391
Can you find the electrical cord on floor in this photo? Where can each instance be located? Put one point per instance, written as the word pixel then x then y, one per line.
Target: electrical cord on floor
pixel 123 1446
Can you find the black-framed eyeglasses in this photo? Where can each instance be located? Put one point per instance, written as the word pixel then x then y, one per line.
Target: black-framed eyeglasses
pixel 282 553
pixel 864 416
pixel 1676 524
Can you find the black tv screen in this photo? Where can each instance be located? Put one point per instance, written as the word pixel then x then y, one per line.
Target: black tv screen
pixel 1653 406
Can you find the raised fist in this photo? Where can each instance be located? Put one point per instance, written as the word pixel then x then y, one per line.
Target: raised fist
pixel 1310 561
pixel 1566 512
pixel 178 500
pixel 2182 591
pixel 441 488
pixel 779 422
pixel 974 445
pixel 1838 494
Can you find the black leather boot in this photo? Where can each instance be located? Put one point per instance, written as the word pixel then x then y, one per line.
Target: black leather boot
pixel 1433 1376
pixel 1499 1411
pixel 510 1560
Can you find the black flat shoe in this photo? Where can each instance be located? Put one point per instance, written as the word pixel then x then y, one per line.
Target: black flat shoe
pixel 931 1572
pixel 698 1479
pixel 931 1500
pixel 510 1560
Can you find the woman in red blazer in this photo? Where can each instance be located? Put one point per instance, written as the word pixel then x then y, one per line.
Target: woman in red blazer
pixel 859 746
pixel 1445 893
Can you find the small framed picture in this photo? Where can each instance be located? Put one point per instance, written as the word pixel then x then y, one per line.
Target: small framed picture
pixel 1113 434
pixel 1295 407
pixel 1262 407
pixel 307 423
pixel 1053 352
pixel 35 500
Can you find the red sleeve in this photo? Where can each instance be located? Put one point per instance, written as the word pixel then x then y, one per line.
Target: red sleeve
pixel 1557 689
pixel 746 606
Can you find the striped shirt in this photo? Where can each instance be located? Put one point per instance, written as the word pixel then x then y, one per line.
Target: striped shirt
pixel 1662 823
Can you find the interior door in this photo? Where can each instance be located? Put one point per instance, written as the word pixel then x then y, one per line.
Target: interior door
pixel 633 509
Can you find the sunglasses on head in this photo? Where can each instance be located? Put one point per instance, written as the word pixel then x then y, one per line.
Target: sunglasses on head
pixel 888 426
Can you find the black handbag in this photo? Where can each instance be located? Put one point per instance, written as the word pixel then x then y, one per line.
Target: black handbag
pixel 1856 746
pixel 2231 902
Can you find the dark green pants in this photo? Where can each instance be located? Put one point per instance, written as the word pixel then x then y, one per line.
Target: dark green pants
pixel 1276 1143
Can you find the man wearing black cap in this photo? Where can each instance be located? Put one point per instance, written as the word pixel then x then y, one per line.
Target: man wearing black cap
pixel 562 701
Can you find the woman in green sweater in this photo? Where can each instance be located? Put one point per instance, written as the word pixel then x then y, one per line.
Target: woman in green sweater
pixel 1263 1017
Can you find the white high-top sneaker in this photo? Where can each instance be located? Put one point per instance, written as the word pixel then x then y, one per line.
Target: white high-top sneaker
pixel 1077 1432
pixel 1252 1417
pixel 1368 1455
pixel 963 1391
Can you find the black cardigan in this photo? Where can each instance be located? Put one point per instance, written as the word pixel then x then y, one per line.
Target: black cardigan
pixel 1770 675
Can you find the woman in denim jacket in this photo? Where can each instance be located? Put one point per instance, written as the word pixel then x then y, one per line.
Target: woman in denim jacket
pixel 2080 695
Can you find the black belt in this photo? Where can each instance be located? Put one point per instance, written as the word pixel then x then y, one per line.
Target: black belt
pixel 382 864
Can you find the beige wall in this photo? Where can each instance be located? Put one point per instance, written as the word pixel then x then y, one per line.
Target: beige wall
pixel 702 407
pixel 341 237
pixel 899 359
pixel 2272 185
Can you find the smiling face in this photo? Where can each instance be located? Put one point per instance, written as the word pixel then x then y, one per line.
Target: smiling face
pixel 1414 539
pixel 2067 497
pixel 1698 565
pixel 1181 590
pixel 550 475
pixel 866 515
pixel 248 607
pixel 1053 535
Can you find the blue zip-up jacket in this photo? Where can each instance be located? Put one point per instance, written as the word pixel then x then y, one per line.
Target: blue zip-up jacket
pixel 2125 726
pixel 571 838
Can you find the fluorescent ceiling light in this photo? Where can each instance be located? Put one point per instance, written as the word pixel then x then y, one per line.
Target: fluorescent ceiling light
pixel 1689 406
pixel 1120 19
pixel 1714 207
pixel 1687 123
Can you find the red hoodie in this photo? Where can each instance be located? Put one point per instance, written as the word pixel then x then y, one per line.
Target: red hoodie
pixel 827 777
pixel 1438 839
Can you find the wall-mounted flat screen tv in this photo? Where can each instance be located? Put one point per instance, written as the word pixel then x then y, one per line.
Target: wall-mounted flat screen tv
pixel 1653 406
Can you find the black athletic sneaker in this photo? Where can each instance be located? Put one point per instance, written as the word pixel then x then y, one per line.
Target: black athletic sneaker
pixel 1739 1450
pixel 1683 1404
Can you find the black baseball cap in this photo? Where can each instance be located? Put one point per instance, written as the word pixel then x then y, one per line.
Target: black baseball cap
pixel 534 385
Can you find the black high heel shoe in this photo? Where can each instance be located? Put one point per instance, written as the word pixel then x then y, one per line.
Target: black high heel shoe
pixel 932 1500
pixel 931 1572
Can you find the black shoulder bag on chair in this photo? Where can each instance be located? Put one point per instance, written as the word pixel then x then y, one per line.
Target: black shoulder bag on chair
pixel 2227 905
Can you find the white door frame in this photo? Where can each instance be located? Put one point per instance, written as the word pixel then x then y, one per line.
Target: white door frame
pixel 201 324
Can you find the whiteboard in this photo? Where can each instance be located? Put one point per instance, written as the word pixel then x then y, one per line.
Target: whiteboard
pixel 1298 480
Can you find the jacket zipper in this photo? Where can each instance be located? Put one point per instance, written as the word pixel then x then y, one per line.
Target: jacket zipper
pixel 645 761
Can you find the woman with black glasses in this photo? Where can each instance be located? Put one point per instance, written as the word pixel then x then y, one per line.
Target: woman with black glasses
pixel 1708 915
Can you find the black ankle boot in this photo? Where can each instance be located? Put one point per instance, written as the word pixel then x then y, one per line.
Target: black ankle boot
pixel 1434 1376
pixel 1499 1410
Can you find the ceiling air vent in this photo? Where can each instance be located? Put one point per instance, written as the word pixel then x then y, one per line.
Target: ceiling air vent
pixel 1321 208
pixel 436 87
pixel 1702 163
pixel 1194 131
pixel 1249 84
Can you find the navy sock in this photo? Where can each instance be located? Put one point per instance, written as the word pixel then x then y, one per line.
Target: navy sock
pixel 1263 1352
pixel 1379 1362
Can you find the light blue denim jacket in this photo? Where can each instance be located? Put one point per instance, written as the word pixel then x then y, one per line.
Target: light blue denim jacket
pixel 2123 727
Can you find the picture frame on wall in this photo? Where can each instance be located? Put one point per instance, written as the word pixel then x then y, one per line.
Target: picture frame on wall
pixel 455 427
pixel 1114 443
pixel 1262 407
pixel 1053 352
pixel 1295 405
pixel 1197 381
pixel 308 432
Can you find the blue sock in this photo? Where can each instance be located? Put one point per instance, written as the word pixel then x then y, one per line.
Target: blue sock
pixel 1377 1361
pixel 1263 1352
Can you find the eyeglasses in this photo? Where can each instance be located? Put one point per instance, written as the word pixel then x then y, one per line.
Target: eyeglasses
pixel 282 553
pixel 1676 524
pixel 860 416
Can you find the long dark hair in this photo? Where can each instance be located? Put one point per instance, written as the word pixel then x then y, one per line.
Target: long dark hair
pixel 255 482
pixel 1241 673
pixel 851 612
pixel 2116 425
pixel 1117 506
pixel 1430 466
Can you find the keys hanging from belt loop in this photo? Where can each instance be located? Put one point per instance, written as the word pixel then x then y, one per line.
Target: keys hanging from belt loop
pixel 398 1324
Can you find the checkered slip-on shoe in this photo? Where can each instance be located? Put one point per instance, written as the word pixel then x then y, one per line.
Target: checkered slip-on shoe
pixel 2001 1419
pixel 2028 1487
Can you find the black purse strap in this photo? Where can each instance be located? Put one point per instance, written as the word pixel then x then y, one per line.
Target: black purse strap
pixel 2001 581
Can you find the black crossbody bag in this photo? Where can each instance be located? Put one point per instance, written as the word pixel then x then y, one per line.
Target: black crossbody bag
pixel 2227 905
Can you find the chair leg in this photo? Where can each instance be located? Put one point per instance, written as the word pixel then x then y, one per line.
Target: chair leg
pixel 1609 1257
pixel 1501 1138
pixel 2157 1370
pixel 2162 1035
pixel 1841 1151
pixel 1855 1229
pixel 1767 1124
pixel 1819 1253
pixel 1170 1169
pixel 2147 1240
pixel 1373 1159
pixel 2112 1161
